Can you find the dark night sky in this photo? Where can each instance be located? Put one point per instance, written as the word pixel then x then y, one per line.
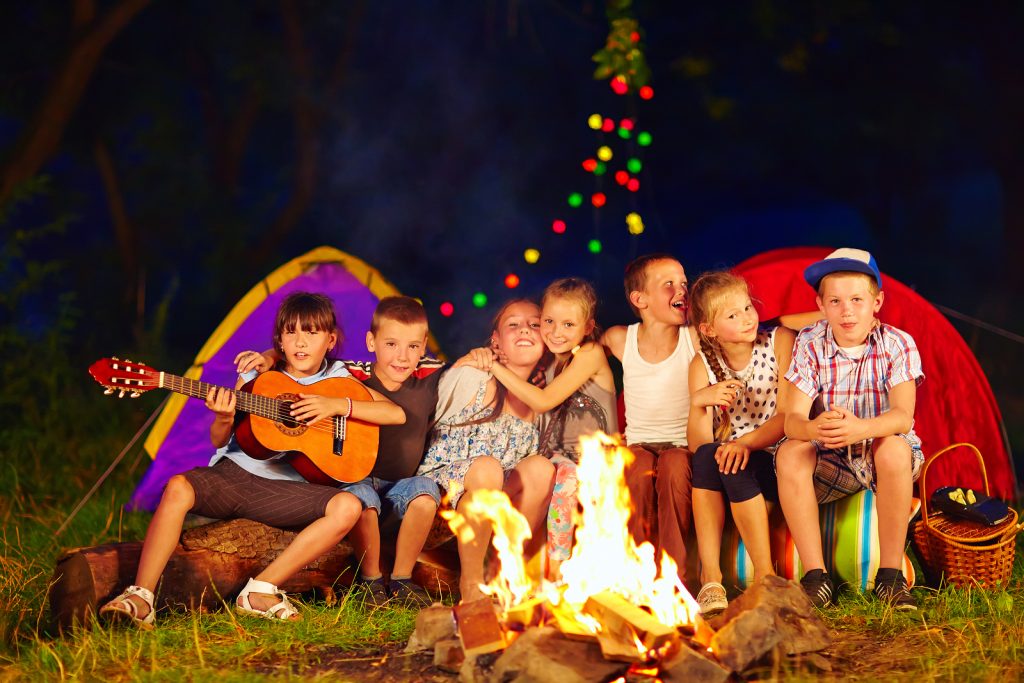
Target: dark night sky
pixel 457 133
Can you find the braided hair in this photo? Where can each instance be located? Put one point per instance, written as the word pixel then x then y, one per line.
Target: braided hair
pixel 706 295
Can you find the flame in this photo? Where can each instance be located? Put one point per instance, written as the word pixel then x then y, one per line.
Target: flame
pixel 511 530
pixel 605 556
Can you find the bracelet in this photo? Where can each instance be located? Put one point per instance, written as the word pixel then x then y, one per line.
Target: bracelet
pixel 349 413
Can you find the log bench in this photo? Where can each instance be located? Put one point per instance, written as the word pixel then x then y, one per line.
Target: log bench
pixel 211 565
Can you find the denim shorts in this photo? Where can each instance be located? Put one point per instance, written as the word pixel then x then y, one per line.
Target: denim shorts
pixel 383 496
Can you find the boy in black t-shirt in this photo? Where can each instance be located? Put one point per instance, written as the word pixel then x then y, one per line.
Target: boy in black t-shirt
pixel 398 338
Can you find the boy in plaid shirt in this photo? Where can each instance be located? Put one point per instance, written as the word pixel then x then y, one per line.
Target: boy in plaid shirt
pixel 849 422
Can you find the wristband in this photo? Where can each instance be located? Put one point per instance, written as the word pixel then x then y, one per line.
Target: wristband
pixel 349 413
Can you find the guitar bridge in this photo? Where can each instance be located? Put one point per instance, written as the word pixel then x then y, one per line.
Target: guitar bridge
pixel 340 424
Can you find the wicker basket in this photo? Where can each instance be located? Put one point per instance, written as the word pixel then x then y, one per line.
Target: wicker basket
pixel 962 552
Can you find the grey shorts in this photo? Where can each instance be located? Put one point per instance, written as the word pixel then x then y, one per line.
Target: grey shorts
pixel 838 475
pixel 226 491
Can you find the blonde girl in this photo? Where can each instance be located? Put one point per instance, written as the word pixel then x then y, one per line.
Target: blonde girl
pixel 734 424
pixel 578 397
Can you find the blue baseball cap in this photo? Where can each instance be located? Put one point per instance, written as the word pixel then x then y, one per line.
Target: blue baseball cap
pixel 843 260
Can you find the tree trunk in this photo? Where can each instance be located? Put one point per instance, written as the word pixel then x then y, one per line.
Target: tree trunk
pixel 41 138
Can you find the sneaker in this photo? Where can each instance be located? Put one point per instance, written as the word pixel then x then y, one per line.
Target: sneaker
pixel 712 599
pixel 891 587
pixel 407 591
pixel 375 589
pixel 818 586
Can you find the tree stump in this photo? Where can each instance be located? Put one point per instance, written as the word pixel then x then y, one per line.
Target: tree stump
pixel 211 564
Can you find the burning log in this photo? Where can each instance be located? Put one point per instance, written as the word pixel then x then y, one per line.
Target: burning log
pixel 479 628
pixel 687 665
pixel 624 620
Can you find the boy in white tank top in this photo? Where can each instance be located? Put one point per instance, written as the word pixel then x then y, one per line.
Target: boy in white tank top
pixel 655 355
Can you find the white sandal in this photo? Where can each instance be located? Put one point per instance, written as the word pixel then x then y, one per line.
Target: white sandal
pixel 123 607
pixel 283 610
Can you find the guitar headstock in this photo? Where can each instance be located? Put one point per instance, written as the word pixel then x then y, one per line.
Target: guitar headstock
pixel 124 376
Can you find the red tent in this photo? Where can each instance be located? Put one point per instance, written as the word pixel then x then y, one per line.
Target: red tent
pixel 954 404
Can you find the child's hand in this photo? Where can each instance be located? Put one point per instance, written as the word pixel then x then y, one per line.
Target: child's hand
pixel 481 359
pixel 498 353
pixel 222 402
pixel 843 429
pixel 723 394
pixel 732 457
pixel 253 360
pixel 311 408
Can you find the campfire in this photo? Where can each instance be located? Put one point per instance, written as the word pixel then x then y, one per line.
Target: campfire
pixel 618 603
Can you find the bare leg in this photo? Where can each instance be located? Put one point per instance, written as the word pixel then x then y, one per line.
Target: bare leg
pixel 751 517
pixel 529 488
pixel 708 522
pixel 412 534
pixel 365 536
pixel 342 513
pixel 484 473
pixel 894 485
pixel 795 463
pixel 162 536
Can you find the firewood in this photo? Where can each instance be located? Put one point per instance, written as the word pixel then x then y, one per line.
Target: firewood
pixel 622 618
pixel 479 628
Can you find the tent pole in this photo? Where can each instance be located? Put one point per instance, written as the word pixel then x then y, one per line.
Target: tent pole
pixel 120 456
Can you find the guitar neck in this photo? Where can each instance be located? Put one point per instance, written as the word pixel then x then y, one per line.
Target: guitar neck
pixel 262 406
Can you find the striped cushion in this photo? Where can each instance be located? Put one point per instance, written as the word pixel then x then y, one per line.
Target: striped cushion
pixel 849 533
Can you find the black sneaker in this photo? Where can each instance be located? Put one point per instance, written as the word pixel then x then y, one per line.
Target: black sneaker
pixel 818 586
pixel 891 587
pixel 409 592
pixel 375 589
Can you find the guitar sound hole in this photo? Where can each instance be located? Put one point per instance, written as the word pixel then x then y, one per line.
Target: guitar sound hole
pixel 289 422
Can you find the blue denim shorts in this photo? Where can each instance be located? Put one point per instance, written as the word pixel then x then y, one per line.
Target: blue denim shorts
pixel 384 496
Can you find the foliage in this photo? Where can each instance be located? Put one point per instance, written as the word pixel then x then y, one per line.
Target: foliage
pixel 622 55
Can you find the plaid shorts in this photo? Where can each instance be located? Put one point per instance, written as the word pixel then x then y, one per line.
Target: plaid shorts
pixel 840 473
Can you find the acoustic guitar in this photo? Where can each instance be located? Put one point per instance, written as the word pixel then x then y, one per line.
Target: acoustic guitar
pixel 330 451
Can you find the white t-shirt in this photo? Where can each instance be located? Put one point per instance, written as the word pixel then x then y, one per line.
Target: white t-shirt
pixel 657 395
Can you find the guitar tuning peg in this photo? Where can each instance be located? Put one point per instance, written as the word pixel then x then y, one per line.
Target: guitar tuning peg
pixel 121 394
pixel 127 360
pixel 134 394
pixel 115 358
pixel 108 391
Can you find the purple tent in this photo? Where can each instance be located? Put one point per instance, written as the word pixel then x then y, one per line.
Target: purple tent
pixel 180 438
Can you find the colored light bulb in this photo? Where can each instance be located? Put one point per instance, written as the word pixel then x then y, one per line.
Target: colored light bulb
pixel 479 299
pixel 621 177
pixel 633 185
pixel 608 126
pixel 626 123
pixel 643 139
pixel 600 168
pixel 594 246
pixel 531 255
pixel 447 308
pixel 646 92
pixel 589 165
pixel 598 199
pixel 558 226
pixel 594 121
pixel 511 280
pixel 619 85
pixel 624 133
pixel 575 199
pixel 604 153
pixel 634 165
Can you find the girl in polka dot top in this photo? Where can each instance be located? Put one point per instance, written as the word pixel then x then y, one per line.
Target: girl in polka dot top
pixel 733 424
